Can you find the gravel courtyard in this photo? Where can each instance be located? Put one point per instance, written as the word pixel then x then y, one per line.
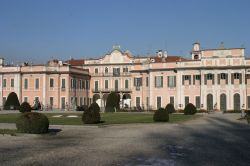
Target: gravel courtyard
pixel 213 139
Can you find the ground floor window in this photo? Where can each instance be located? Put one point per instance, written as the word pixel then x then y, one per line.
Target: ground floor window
pixel 147 102
pixel 81 102
pixel 158 102
pixel 197 102
pixel 248 102
pixel 25 99
pixel 4 100
pixel 138 101
pixel 51 101
pixel 171 100
pixel 237 101
pixel 186 100
pixel 63 102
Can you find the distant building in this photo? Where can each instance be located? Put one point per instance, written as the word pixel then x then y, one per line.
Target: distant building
pixel 56 85
pixel 211 79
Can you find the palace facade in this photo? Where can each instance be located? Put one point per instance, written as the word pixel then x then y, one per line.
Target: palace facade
pixel 210 79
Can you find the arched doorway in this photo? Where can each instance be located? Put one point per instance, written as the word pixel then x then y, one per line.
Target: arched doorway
pixel 126 100
pixel 237 101
pixel 223 102
pixel 104 98
pixel 209 102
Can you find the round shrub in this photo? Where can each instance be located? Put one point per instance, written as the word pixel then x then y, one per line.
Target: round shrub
pixel 92 114
pixel 190 109
pixel 32 122
pixel 170 108
pixel 161 115
pixel 25 107
pixel 12 102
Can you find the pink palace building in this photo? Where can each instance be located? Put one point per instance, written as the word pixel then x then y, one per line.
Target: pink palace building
pixel 211 79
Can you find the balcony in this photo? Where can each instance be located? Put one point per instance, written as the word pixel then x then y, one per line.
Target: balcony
pixel 110 74
pixel 107 90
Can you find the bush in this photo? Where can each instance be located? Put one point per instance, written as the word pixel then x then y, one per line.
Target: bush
pixel 170 108
pixel 190 109
pixel 92 114
pixel 161 115
pixel 25 107
pixel 12 102
pixel 82 108
pixel 113 100
pixel 32 122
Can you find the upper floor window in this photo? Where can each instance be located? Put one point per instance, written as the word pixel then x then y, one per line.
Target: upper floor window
pixel 126 84
pixel 223 76
pixel 236 75
pixel 186 77
pixel 158 81
pixel 116 71
pixel 147 81
pixel 63 83
pixel 197 77
pixel 25 83
pixel 73 83
pixel 96 70
pixel 138 82
pixel 209 76
pixel 4 83
pixel 171 81
pixel 106 70
pixel 12 82
pixel 51 82
pixel 37 83
pixel 125 70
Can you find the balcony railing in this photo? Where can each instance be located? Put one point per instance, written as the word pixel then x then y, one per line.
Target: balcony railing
pixel 96 90
pixel 110 74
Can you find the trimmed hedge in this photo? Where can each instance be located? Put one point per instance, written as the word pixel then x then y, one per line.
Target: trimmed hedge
pixel 82 108
pixel 92 114
pixel 12 102
pixel 190 109
pixel 161 115
pixel 32 122
pixel 25 107
pixel 113 100
pixel 170 108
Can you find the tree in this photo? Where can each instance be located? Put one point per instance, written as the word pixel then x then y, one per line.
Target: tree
pixel 113 101
pixel 12 102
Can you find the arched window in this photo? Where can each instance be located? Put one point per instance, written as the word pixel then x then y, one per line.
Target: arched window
pixel 237 101
pixel 196 56
pixel 209 102
pixel 106 70
pixel 223 102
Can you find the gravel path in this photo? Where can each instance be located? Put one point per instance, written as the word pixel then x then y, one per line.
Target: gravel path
pixel 213 139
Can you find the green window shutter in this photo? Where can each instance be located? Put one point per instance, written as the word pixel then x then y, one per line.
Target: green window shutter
pixel 189 78
pixel 194 79
pixel 218 79
pixel 174 81
pixel 226 78
pixel 168 81
pixel 134 81
pixel 155 81
pixel 240 78
pixel 232 78
pixel 161 81
pixel 183 80
pixel 205 79
pixel 213 79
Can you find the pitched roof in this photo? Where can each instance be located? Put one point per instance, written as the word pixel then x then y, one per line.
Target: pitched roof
pixel 75 62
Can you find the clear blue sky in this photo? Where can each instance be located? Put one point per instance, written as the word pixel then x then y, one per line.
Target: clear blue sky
pixel 38 30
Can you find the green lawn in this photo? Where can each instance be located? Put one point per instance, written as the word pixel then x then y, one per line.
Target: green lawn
pixel 108 118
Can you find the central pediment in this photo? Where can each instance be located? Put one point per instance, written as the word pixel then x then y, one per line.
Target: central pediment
pixel 116 56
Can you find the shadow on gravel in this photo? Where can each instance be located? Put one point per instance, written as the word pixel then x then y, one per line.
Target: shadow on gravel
pixel 54 131
pixel 218 141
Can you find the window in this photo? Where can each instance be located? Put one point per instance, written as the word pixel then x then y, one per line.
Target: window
pixel 138 101
pixel 125 70
pixel 96 85
pixel 147 102
pixel 147 81
pixel 4 83
pixel 51 101
pixel 209 76
pixel 106 70
pixel 197 101
pixel 138 82
pixel 223 76
pixel 37 83
pixel 12 83
pixel 63 103
pixel 186 100
pixel 81 101
pixel 171 81
pixel 248 102
pixel 236 75
pixel 158 81
pixel 4 100
pixel 51 82
pixel 186 77
pixel 158 102
pixel 25 99
pixel 63 84
pixel 73 83
pixel 197 77
pixel 37 99
pixel 172 100
pixel 126 84
pixel 96 70
pixel 87 84
pixel 25 83
pixel 106 84
pixel 116 71
pixel 84 101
